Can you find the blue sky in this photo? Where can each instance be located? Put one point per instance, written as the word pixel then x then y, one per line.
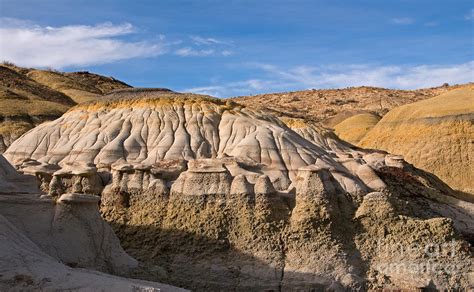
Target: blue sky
pixel 236 47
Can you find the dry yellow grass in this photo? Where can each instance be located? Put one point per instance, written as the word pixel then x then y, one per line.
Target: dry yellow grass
pixel 15 128
pixel 80 86
pixel 164 99
pixel 29 96
pixel 454 102
pixel 31 108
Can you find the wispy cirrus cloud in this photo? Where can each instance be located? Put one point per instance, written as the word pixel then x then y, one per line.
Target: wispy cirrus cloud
pixel 28 44
pixel 199 40
pixel 402 20
pixel 195 52
pixel 206 46
pixel 339 76
pixel 187 52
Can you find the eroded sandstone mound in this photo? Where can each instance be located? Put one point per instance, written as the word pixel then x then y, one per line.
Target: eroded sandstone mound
pixel 171 127
pixel 211 195
pixel 436 134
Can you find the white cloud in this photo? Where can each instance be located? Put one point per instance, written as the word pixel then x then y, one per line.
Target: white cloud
pixel 28 44
pixel 198 40
pixel 227 53
pixel 192 52
pixel 187 52
pixel 339 76
pixel 205 47
pixel 402 20
pixel 470 15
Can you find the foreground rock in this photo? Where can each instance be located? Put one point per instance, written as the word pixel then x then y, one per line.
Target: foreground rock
pixel 213 196
pixel 25 267
pixel 435 134
pixel 62 244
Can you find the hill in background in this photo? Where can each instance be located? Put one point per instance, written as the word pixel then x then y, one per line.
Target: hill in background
pixel 29 97
pixel 436 134
pixel 332 106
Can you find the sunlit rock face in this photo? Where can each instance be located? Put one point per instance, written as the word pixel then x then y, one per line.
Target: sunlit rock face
pixel 211 195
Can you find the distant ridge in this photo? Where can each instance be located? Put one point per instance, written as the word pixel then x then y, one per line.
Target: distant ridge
pixel 29 97
pixel 331 106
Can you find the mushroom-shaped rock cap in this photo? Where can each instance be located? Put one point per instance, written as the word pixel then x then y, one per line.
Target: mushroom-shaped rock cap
pixel 376 159
pixel 121 166
pixel 74 198
pixel 41 168
pixel 28 162
pixel 394 160
pixel 169 168
pixel 206 165
pixel 142 166
pixel 77 168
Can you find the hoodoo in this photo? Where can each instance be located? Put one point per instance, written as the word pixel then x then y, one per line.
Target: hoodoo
pixel 59 244
pixel 212 195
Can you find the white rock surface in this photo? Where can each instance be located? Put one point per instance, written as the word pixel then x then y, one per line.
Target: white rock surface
pixel 176 128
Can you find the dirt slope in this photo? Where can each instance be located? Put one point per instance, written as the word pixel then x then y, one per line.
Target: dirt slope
pixel 354 128
pixel 435 134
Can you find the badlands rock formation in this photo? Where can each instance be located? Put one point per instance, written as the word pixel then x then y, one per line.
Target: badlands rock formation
pixel 211 195
pixel 52 245
pixel 29 97
pixel 436 134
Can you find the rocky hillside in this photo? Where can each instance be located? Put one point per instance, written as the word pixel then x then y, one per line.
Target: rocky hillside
pixel 436 134
pixel 29 97
pixel 212 195
pixel 331 106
